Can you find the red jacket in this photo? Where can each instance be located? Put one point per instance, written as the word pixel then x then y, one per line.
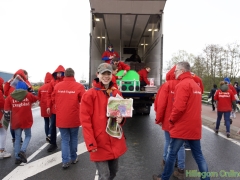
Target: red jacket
pixel 2 100
pixel 93 111
pixel 123 66
pixel 20 104
pixel 198 80
pixel 143 74
pixel 43 95
pixel 232 88
pixel 8 89
pixel 224 100
pixel 67 97
pixel 55 80
pixel 114 80
pixel 186 113
pixel 107 54
pixel 168 77
pixel 165 101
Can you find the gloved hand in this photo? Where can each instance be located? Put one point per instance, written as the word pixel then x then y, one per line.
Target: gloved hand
pixel 7 115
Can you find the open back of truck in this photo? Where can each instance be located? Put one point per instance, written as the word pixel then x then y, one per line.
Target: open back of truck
pixel 131 26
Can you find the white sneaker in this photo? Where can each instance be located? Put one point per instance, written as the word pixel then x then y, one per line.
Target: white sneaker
pixel 4 154
pixel 234 115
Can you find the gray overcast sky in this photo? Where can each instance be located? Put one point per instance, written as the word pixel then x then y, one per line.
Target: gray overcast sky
pixel 51 32
pixel 192 24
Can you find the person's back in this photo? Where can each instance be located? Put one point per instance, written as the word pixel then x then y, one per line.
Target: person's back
pixel 67 96
pixel 43 95
pixel 19 102
pixel 185 121
pixel 189 99
pixel 211 95
pixel 198 80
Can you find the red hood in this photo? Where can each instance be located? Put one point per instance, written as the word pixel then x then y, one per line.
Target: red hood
pixel 1 84
pixel 170 75
pixel 20 72
pixel 61 69
pixel 48 78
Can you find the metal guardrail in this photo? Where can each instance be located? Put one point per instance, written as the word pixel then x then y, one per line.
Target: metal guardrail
pixel 205 97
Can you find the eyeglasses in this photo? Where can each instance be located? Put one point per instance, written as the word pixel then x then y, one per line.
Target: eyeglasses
pixel 177 70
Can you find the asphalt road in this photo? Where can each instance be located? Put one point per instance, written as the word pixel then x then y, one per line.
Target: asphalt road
pixel 145 148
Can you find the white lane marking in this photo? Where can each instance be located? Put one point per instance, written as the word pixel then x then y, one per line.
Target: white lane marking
pixel 223 136
pixel 96 176
pixel 35 167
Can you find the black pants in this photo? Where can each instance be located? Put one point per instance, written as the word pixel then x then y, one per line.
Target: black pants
pixel 213 105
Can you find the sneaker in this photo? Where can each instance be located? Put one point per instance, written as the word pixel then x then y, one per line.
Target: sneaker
pixel 22 155
pixel 52 148
pixel 234 115
pixel 216 131
pixel 18 161
pixel 65 165
pixel 155 177
pixel 48 139
pixel 75 161
pixel 4 154
pixel 228 135
pixel 179 174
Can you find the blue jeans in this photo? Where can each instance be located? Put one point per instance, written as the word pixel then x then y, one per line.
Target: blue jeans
pixel 107 170
pixel 226 118
pixel 47 125
pixel 180 154
pixel 17 145
pixel 69 143
pixel 12 132
pixel 53 130
pixel 174 147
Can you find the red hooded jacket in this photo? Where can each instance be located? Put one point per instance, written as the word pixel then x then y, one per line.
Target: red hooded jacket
pixel 165 100
pixel 143 74
pixel 53 82
pixel 198 80
pixel 8 89
pixel 43 95
pixel 2 100
pixel 186 122
pixel 123 66
pixel 20 105
pixel 67 97
pixel 93 117
pixel 107 54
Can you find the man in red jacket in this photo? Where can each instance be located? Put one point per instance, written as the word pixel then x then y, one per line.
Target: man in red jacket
pixel 104 149
pixel 43 95
pixel 185 121
pixel 143 74
pixel 164 103
pixel 58 76
pixel 67 97
pixel 109 54
pixel 121 65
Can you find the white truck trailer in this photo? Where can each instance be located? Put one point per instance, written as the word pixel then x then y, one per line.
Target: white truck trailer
pixel 130 26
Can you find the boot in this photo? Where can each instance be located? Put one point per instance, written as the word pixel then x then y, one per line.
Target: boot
pixel 179 174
